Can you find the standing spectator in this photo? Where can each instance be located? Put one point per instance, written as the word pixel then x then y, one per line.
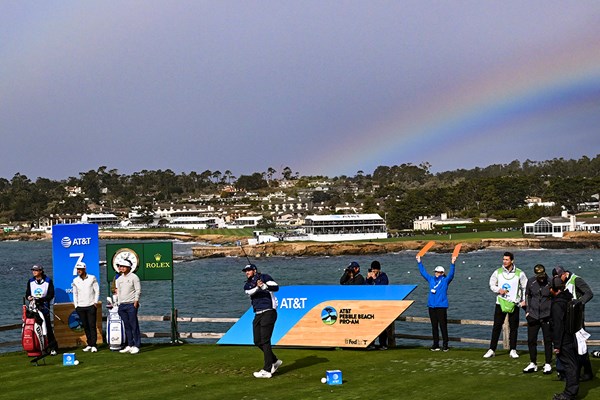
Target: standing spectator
pixel 41 289
pixel 581 292
pixel 437 301
pixel 509 282
pixel 86 293
pixel 260 288
pixel 352 275
pixel 537 313
pixel 565 344
pixel 129 290
pixel 376 277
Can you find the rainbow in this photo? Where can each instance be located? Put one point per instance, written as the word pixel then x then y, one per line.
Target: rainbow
pixel 547 94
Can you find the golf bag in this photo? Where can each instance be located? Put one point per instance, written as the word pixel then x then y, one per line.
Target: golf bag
pixel 115 331
pixel 33 334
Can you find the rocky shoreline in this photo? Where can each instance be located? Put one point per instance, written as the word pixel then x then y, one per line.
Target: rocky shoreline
pixel 224 246
pixel 304 249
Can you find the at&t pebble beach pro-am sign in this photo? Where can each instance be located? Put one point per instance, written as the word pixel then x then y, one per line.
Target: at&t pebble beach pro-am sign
pixel 328 316
pixel 73 243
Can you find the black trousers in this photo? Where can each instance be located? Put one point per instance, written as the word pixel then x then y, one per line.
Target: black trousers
pixel 569 367
pixel 533 328
pixel 513 325
pixel 87 316
pixel 262 330
pixel 439 321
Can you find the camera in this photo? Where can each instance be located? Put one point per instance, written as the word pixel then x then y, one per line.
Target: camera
pixel 370 269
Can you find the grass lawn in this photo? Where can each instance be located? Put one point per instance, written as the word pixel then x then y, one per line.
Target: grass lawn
pixel 225 372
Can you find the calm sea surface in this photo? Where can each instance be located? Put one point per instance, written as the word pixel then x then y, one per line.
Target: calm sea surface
pixel 213 287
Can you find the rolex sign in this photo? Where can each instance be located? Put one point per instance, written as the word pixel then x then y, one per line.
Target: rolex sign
pixel 150 261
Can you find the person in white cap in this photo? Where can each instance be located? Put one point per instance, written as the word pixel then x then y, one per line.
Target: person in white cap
pixel 437 302
pixel 86 293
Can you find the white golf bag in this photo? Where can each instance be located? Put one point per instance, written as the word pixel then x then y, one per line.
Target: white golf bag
pixel 115 332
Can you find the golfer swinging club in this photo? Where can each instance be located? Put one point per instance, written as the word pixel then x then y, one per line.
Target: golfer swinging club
pixel 260 288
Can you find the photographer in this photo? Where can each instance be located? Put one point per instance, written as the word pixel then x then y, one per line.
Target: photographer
pixel 352 275
pixel 376 277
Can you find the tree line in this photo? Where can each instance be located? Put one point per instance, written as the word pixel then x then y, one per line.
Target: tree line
pixel 400 192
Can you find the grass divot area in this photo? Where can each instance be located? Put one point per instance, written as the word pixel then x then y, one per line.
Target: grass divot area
pixel 188 371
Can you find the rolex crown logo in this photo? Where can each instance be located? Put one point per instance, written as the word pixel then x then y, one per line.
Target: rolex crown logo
pixel 157 257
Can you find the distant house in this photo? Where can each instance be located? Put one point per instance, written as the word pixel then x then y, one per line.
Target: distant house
pixel 557 226
pixel 431 223
pixel 100 219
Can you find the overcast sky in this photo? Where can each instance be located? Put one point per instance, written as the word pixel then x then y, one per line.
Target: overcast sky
pixel 323 87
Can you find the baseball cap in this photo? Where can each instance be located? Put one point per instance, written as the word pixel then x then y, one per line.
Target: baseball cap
pixel 439 268
pixel 249 267
pixel 375 265
pixel 37 268
pixel 539 270
pixel 557 271
pixel 354 264
pixel 80 265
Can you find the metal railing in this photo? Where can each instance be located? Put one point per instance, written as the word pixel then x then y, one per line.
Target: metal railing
pixel 404 319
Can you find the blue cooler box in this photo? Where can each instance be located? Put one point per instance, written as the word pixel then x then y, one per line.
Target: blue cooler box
pixel 334 377
pixel 69 359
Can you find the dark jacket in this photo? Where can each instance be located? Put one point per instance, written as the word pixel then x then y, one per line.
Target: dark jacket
pixel 583 292
pixel 42 291
pixel 381 279
pixel 262 298
pixel 347 279
pixel 558 311
pixel 538 299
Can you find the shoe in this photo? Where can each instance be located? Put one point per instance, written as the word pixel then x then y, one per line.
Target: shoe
pixel 561 396
pixel 596 354
pixel 435 348
pixel 513 354
pixel 276 365
pixel 585 378
pixel 445 349
pixel 53 352
pixel 530 368
pixel 383 348
pixel 262 374
pixel 134 350
pixel 94 349
pixel 87 348
pixel 547 369
pixel 490 353
pixel 125 350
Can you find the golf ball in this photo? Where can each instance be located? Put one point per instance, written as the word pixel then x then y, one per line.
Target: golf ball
pixel 323 380
pixel 76 362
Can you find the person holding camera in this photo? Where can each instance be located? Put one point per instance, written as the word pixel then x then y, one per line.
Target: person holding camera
pixel 260 288
pixel 376 277
pixel 437 302
pixel 352 275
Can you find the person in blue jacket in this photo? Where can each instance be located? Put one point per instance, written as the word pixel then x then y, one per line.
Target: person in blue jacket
pixel 438 301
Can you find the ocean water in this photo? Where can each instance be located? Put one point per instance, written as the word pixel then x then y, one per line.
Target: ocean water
pixel 213 287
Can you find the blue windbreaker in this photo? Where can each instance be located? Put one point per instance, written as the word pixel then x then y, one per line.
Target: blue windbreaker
pixel 439 299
